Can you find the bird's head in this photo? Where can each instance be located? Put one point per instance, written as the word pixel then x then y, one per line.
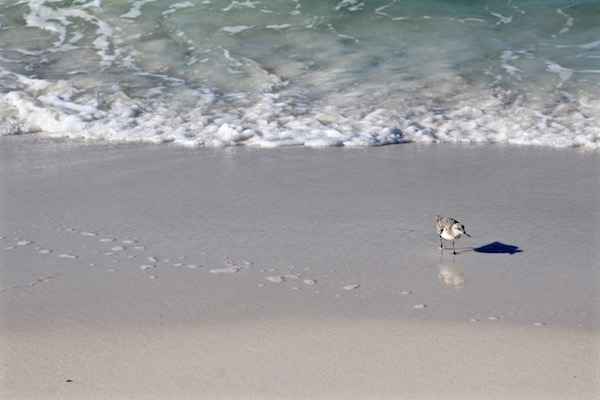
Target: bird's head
pixel 460 228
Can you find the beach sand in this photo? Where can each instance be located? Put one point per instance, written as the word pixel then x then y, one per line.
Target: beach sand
pixel 137 271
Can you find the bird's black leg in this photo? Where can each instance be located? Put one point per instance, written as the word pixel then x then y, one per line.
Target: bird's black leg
pixel 453 251
pixel 441 243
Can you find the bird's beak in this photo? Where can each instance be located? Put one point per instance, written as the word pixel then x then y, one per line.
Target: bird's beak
pixel 467 234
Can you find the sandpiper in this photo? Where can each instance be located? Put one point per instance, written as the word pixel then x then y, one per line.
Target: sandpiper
pixel 449 229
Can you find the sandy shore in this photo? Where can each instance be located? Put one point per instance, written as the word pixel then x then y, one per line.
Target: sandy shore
pixel 137 271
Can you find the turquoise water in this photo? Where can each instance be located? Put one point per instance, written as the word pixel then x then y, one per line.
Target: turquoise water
pixel 314 73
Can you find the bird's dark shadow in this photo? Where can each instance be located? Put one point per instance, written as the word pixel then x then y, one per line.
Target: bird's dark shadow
pixel 498 248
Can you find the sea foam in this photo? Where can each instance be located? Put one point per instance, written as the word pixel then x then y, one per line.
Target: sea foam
pixel 268 74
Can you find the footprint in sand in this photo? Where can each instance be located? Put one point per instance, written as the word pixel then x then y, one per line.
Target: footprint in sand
pixel 67 255
pixel 351 286
pixel 226 270
pixel 42 279
pixel 134 247
pixel 232 268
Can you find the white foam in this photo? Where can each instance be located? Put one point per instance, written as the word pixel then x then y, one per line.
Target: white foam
pixel 240 4
pixel 279 26
pixel 41 17
pixel 564 73
pixel 194 86
pixel 350 5
pixel 236 29
pixel 590 46
pixel 506 57
pixel 135 10
pixel 178 6
pixel 568 24
pixel 502 19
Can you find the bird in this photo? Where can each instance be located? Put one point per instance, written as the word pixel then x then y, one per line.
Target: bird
pixel 449 229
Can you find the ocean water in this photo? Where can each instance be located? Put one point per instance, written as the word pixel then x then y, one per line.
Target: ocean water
pixel 302 72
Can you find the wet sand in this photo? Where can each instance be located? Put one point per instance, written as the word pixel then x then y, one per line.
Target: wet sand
pixel 139 271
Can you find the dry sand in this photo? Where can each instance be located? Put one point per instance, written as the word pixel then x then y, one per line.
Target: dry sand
pixel 138 272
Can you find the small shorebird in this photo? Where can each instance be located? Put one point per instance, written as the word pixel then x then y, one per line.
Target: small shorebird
pixel 449 229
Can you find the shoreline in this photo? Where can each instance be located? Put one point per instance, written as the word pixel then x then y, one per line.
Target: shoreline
pixel 297 272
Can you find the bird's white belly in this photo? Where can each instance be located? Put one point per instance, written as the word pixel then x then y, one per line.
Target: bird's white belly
pixel 448 236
